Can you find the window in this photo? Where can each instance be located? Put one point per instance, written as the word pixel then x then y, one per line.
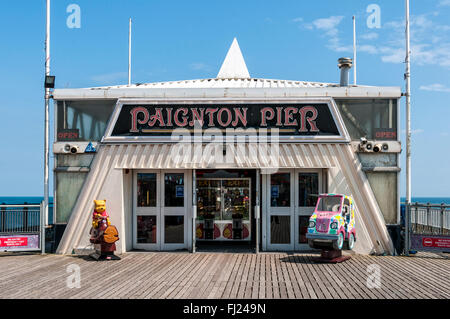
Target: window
pixel 174 190
pixel 87 118
pixel 146 229
pixel 374 119
pixel 280 190
pixel 146 190
pixel 329 204
pixel 174 229
pixel 280 229
pixel 308 189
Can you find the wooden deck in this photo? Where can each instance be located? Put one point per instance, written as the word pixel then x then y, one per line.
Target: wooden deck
pixel 223 275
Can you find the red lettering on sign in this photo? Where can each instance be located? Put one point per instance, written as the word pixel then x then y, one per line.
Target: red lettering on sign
pixel 197 116
pixel 176 119
pixel 311 120
pixel 264 117
pixel 134 118
pixel 210 112
pixel 14 242
pixel 436 242
pixel 240 116
pixel 229 117
pixel 157 117
pixel 288 115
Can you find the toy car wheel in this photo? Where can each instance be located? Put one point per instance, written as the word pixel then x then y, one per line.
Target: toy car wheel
pixel 339 243
pixel 351 241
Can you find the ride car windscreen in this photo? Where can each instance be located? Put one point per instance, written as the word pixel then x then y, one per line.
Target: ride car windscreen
pixel 329 204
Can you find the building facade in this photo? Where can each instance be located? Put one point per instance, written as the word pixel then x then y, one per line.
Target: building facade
pixel 232 159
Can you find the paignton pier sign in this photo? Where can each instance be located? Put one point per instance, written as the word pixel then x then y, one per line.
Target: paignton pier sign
pixel 295 120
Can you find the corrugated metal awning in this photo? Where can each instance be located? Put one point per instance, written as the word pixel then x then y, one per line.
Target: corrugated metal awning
pixel 172 156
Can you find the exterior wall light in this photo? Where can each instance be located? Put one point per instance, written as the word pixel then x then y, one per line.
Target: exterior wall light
pixel 49 82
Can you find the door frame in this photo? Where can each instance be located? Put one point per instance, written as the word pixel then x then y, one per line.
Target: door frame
pixel 160 211
pixel 278 211
pixel 222 208
pixel 294 211
pixel 304 211
pixel 147 211
pixel 176 211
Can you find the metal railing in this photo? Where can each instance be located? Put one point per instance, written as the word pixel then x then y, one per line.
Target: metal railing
pixel 23 219
pixel 430 219
pixel 426 220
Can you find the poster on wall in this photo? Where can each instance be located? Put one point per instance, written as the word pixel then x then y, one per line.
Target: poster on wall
pixel 19 243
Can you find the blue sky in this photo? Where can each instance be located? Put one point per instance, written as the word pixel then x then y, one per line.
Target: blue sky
pixel 177 40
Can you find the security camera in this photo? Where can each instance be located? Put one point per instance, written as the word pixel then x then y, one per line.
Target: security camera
pixel 377 148
pixel 74 149
pixel 363 141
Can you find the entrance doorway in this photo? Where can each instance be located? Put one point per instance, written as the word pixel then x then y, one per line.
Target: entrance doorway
pixel 223 209
pixel 289 198
pixel 160 219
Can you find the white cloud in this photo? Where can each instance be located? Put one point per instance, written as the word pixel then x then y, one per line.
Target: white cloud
pixel 444 3
pixel 437 87
pixel 329 27
pixel 369 36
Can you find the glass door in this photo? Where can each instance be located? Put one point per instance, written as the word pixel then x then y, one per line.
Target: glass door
pixel 146 219
pixel 173 210
pixel 160 210
pixel 308 187
pixel 280 224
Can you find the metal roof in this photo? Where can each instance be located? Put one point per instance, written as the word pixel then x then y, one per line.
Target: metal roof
pixel 217 88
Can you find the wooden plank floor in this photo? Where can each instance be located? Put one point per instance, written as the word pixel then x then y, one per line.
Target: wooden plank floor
pixel 225 275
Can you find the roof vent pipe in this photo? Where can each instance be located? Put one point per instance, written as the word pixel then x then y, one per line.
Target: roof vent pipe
pixel 345 64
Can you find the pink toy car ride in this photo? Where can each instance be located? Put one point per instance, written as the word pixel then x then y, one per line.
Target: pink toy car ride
pixel 332 225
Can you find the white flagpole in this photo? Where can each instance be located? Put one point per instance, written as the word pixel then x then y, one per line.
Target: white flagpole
pixel 46 130
pixel 408 107
pixel 129 54
pixel 354 50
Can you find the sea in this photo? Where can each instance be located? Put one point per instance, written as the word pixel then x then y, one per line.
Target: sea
pixel 30 200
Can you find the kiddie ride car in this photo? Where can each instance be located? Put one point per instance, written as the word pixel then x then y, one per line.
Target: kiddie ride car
pixel 332 227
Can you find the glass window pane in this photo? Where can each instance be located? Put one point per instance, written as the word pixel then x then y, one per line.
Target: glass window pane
pixel 308 189
pixel 303 222
pixel 146 229
pixel 146 190
pixel 208 199
pixel 87 118
pixel 173 229
pixel 280 229
pixel 370 118
pixel 280 190
pixel 236 196
pixel 174 190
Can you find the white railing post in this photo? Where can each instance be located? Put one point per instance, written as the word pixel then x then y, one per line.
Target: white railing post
pixel 42 223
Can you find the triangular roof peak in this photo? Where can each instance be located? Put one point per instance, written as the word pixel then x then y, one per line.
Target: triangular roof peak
pixel 234 66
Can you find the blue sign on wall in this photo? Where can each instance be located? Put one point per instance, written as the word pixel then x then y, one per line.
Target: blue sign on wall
pixel 179 191
pixel 275 191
